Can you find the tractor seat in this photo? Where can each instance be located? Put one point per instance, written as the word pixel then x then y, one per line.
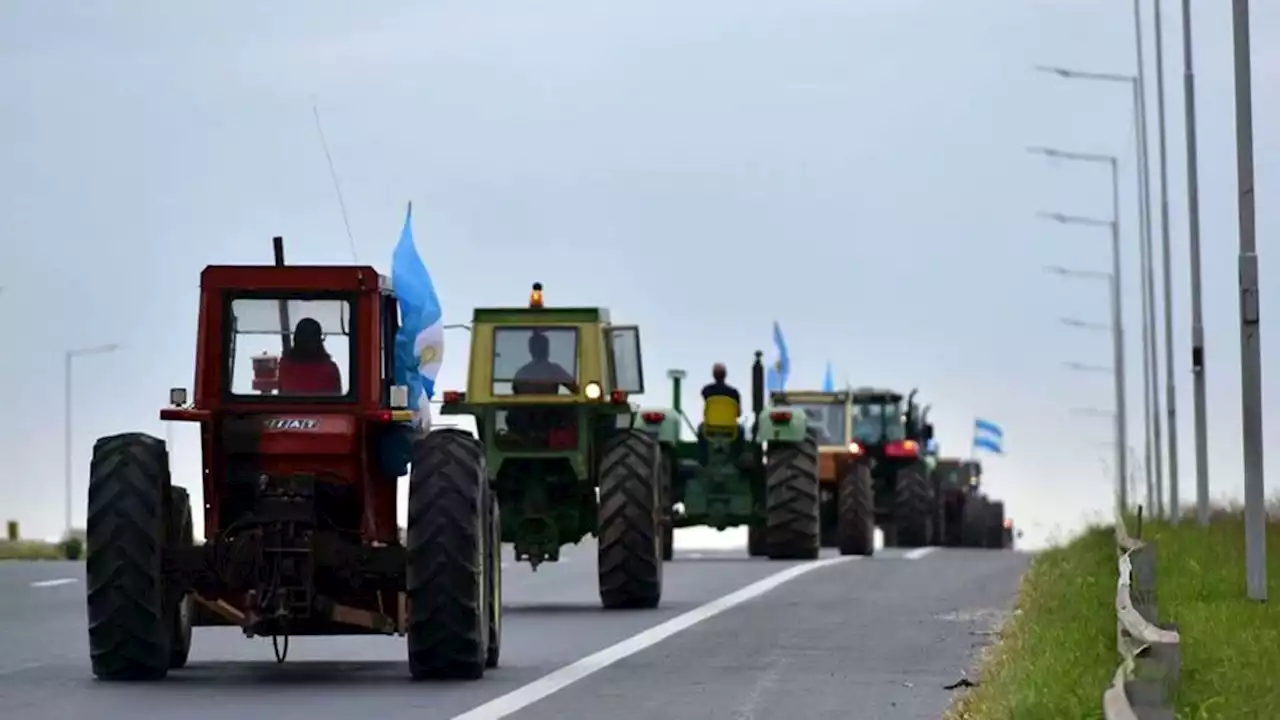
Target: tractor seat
pixel 720 418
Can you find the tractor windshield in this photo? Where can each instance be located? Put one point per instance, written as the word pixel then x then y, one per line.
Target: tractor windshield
pixel 826 419
pixel 535 361
pixel 877 422
pixel 289 347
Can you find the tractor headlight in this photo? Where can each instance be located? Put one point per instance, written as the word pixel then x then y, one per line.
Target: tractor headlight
pixel 593 391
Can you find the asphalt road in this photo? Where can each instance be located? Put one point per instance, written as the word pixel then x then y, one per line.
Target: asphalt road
pixel 856 638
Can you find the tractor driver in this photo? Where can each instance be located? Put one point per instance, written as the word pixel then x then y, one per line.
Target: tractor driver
pixel 307 369
pixel 718 388
pixel 541 376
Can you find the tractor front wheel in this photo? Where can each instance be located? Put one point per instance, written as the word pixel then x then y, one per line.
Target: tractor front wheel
pixel 856 526
pixel 791 530
pixel 629 530
pixel 447 558
pixel 995 525
pixel 131 628
pixel 973 521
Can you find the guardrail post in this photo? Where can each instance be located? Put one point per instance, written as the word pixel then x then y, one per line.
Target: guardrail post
pixel 1143 589
pixel 13 534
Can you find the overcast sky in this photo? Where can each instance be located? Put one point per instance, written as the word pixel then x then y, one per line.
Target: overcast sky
pixel 854 170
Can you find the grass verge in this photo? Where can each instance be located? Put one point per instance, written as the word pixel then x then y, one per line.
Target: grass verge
pixel 1230 644
pixel 1057 651
pixel 29 550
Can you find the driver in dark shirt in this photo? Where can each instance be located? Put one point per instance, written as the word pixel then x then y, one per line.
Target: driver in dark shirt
pixel 541 376
pixel 719 387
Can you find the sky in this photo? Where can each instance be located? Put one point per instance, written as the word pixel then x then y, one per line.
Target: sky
pixel 854 170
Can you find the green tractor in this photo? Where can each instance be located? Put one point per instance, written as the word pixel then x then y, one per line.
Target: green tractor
pixel 970 518
pixel 764 477
pixel 889 443
pixel 550 392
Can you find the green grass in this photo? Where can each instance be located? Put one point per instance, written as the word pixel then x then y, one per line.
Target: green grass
pixel 29 550
pixel 1230 644
pixel 1057 652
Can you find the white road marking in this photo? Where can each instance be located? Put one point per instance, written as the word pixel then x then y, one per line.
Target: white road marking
pixel 527 695
pixel 20 668
pixel 54 583
pixel 918 553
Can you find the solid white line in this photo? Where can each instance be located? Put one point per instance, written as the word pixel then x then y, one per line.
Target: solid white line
pixel 527 695
pixel 918 553
pixel 20 668
pixel 53 583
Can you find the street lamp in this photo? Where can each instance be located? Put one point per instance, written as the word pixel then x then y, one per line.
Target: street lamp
pixel 1084 324
pixel 70 356
pixel 1150 361
pixel 1085 367
pixel 1117 341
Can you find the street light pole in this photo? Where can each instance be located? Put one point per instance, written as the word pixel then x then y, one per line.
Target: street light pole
pixel 1197 314
pixel 1255 529
pixel 69 357
pixel 1171 397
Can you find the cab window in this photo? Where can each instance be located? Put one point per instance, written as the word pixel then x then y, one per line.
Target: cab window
pixel 535 361
pixel 624 359
pixel 289 347
pixel 875 422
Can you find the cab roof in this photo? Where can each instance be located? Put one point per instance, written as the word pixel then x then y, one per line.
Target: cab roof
pixel 293 278
pixel 535 316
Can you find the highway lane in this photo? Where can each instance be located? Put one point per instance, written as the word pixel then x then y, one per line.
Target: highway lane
pixel 865 640
pixel 553 619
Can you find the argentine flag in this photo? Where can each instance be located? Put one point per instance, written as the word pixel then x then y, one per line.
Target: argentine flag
pixel 828 380
pixel 987 436
pixel 776 374
pixel 420 340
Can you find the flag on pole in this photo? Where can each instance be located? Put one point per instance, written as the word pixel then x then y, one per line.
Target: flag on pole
pixel 828 380
pixel 987 436
pixel 419 345
pixel 777 374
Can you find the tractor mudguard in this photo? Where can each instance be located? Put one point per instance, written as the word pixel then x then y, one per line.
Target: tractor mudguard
pixel 665 430
pixel 792 430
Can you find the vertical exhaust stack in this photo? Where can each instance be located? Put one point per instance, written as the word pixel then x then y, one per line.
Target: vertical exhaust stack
pixel 277 248
pixel 757 393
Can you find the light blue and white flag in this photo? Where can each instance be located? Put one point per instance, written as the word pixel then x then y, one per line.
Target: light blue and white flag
pixel 420 340
pixel 987 436
pixel 776 374
pixel 828 380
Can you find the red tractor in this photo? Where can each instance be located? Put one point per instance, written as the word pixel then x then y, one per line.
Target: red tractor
pixel 304 434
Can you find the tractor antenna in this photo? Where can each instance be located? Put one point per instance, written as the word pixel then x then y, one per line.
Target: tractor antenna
pixel 333 173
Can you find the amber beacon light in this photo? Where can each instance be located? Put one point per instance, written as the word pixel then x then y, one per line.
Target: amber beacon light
pixel 535 296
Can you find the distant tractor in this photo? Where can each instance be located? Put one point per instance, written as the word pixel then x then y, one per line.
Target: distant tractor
pixel 301 451
pixel 970 518
pixel 888 441
pixel 764 476
pixel 550 390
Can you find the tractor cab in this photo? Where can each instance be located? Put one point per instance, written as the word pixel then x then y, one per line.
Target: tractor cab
pixel 888 425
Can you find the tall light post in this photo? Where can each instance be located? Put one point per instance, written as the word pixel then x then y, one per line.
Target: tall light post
pixel 1150 342
pixel 1255 527
pixel 1171 397
pixel 1117 312
pixel 69 357
pixel 1197 315
pixel 1117 339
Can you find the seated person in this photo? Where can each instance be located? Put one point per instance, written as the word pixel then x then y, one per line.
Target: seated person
pixel 540 376
pixel 307 369
pixel 719 388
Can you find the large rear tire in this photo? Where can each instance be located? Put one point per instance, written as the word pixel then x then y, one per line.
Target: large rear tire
pixel 791 501
pixel 913 507
pixel 995 525
pixel 973 524
pixel 446 584
pixel 629 530
pixel 181 604
pixel 130 632
pixel 856 527
pixel 493 580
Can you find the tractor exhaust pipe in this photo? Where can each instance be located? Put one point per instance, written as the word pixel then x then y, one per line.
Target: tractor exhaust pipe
pixel 277 248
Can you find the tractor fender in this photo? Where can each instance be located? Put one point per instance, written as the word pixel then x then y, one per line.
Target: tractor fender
pixel 792 430
pixel 666 432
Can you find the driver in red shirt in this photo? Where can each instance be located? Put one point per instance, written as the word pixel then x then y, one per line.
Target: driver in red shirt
pixel 307 369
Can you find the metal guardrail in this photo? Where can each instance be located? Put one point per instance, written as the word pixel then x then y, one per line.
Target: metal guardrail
pixel 1150 651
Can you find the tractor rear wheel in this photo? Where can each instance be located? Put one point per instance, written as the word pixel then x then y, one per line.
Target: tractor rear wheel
pixel 973 521
pixel 493 580
pixel 856 526
pixel 755 541
pixel 130 630
pixel 181 535
pixel 995 525
pixel 447 558
pixel 629 531
pixel 913 507
pixel 791 501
